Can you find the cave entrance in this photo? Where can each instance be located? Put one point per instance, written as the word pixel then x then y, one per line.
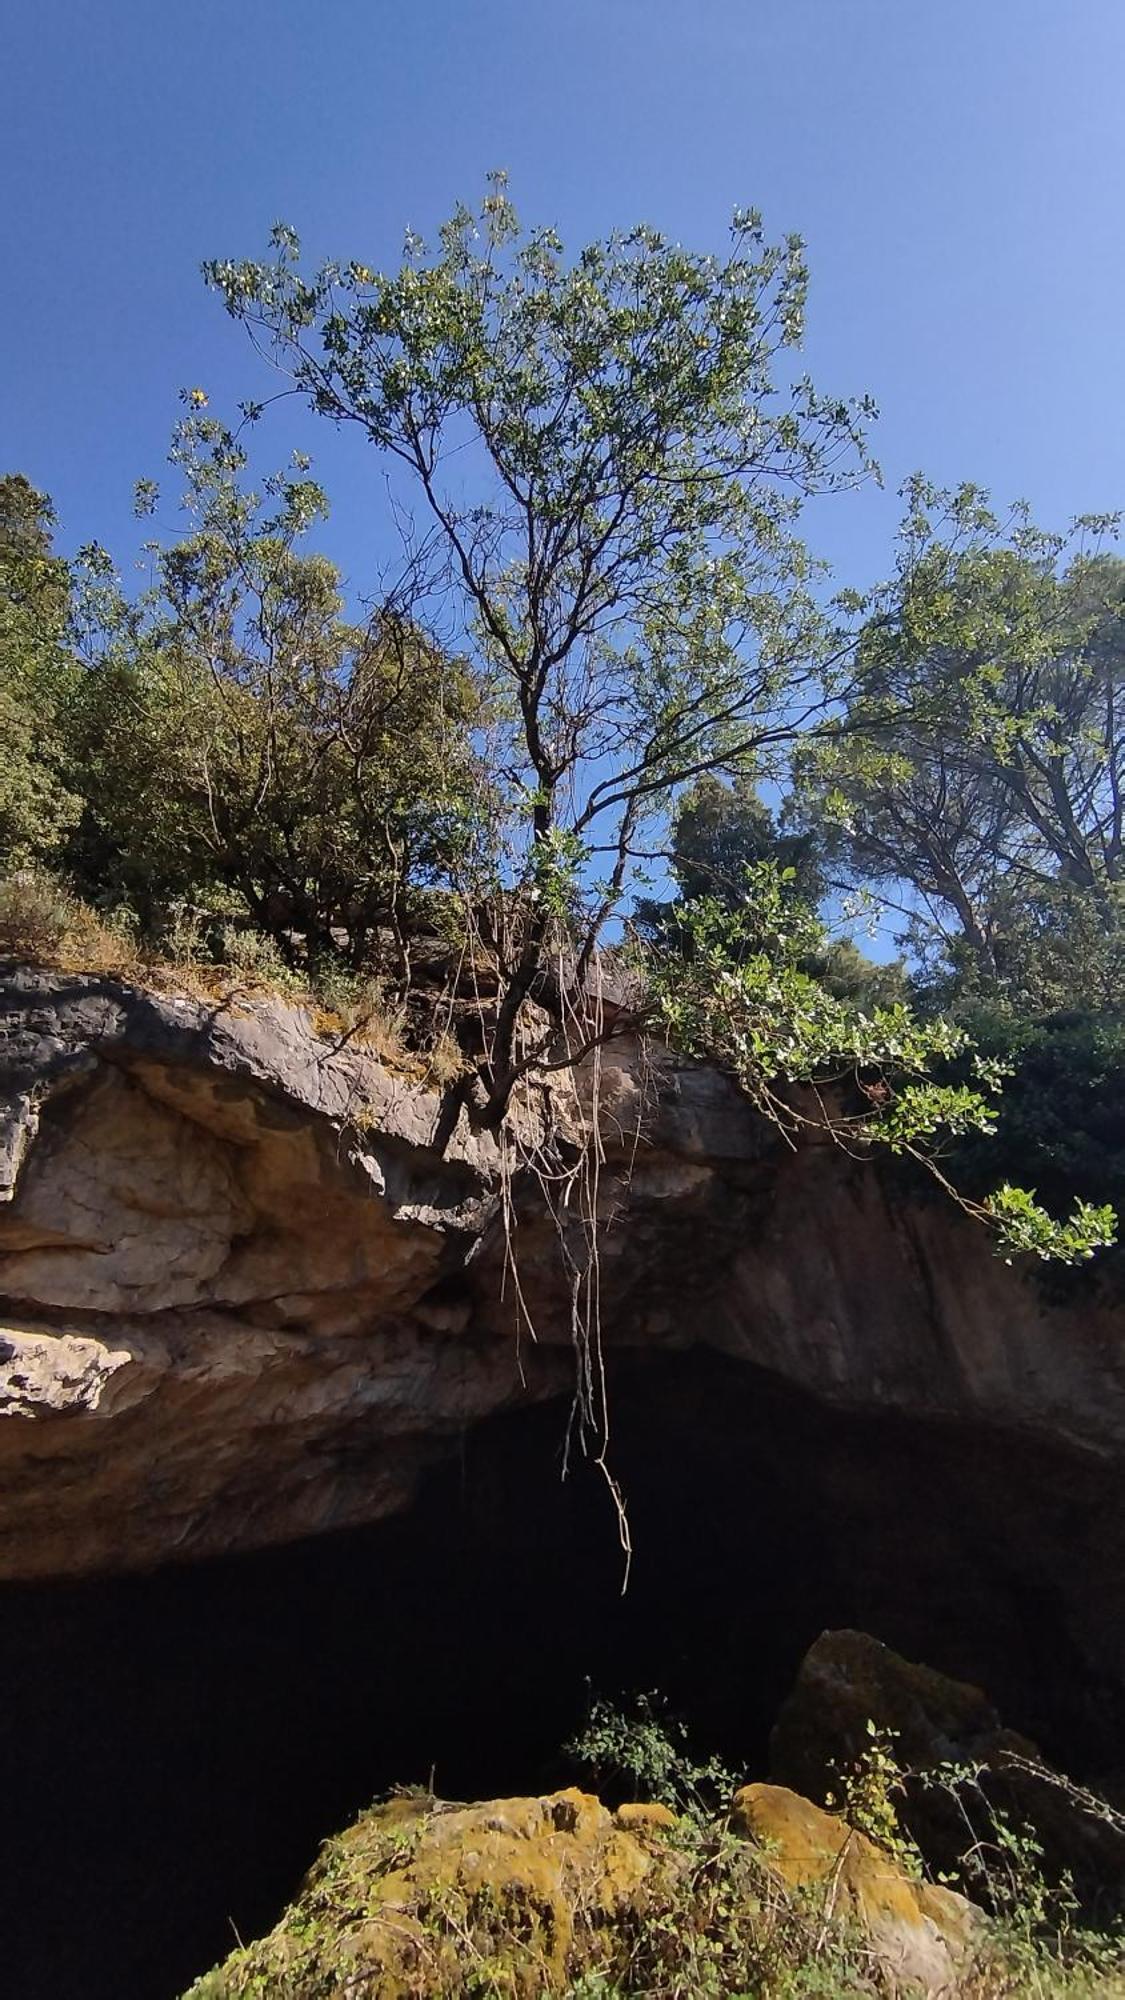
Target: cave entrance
pixel 176 1745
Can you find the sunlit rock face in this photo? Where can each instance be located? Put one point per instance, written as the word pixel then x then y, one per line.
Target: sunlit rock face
pixel 246 1297
pixel 216 1233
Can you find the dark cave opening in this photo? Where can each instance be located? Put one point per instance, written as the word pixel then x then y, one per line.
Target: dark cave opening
pixel 175 1745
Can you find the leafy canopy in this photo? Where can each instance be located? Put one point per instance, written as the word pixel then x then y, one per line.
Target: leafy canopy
pixel 605 633
pixel 609 472
pixel 241 740
pixel 742 991
pixel 37 807
pixel 979 777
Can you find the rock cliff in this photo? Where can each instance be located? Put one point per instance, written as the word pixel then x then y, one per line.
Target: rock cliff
pixel 246 1298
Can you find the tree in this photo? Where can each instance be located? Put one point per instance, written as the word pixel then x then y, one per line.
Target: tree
pixel 239 734
pixel 718 831
pixel 721 834
pixel 981 770
pixel 744 993
pixel 610 474
pixel 36 806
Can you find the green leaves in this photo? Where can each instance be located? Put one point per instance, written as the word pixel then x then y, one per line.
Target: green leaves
pixel 611 460
pixel 978 773
pixel 1025 1227
pixel 621 551
pixel 736 989
pixel 38 806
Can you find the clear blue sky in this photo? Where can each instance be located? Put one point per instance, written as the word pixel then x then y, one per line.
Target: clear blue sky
pixel 956 165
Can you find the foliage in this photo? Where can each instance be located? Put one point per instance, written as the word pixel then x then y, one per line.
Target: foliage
pixel 718 832
pixel 1040 1941
pixel 644 1753
pixel 598 464
pixel 979 770
pixel 36 805
pixel 611 472
pixel 741 993
pixel 1023 1225
pixel 240 737
pixel 1061 1118
pixel 868 1794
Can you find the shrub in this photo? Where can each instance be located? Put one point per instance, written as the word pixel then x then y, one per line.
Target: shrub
pixel 42 922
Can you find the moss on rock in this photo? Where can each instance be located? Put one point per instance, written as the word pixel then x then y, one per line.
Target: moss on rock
pixel 532 1896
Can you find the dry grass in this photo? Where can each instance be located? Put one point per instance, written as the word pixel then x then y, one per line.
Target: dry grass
pixel 360 1011
pixel 43 923
pixel 444 1060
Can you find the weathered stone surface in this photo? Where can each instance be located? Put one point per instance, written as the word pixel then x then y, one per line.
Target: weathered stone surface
pixel 879 1303
pixel 923 1935
pixel 848 1681
pixel 529 1892
pixel 246 1297
pixel 215 1229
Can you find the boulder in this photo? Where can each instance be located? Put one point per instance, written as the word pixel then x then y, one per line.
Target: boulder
pixel 849 1681
pixel 923 1935
pixel 526 1896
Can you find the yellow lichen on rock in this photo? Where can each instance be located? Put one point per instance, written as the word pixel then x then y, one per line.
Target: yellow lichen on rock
pixel 647 1813
pixel 418 1898
pixel 525 1897
pixel 922 1933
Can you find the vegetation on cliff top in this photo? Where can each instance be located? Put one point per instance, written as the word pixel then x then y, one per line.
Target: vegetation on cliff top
pixel 604 646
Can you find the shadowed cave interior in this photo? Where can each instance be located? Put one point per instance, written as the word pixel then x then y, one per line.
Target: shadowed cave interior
pixel 176 1745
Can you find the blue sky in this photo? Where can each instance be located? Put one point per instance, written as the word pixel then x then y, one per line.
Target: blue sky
pixel 957 169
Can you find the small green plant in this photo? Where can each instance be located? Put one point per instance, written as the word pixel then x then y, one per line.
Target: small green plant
pixel 183 937
pixel 868 1791
pixel 644 1751
pixel 255 954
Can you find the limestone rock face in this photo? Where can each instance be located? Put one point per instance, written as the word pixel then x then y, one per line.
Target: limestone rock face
pixel 214 1233
pixel 245 1295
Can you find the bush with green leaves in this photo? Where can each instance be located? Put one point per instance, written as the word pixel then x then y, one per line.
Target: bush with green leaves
pixel 38 804
pixel 1060 1123
pixel 242 739
pixel 642 1752
pixel 977 777
pixel 740 992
